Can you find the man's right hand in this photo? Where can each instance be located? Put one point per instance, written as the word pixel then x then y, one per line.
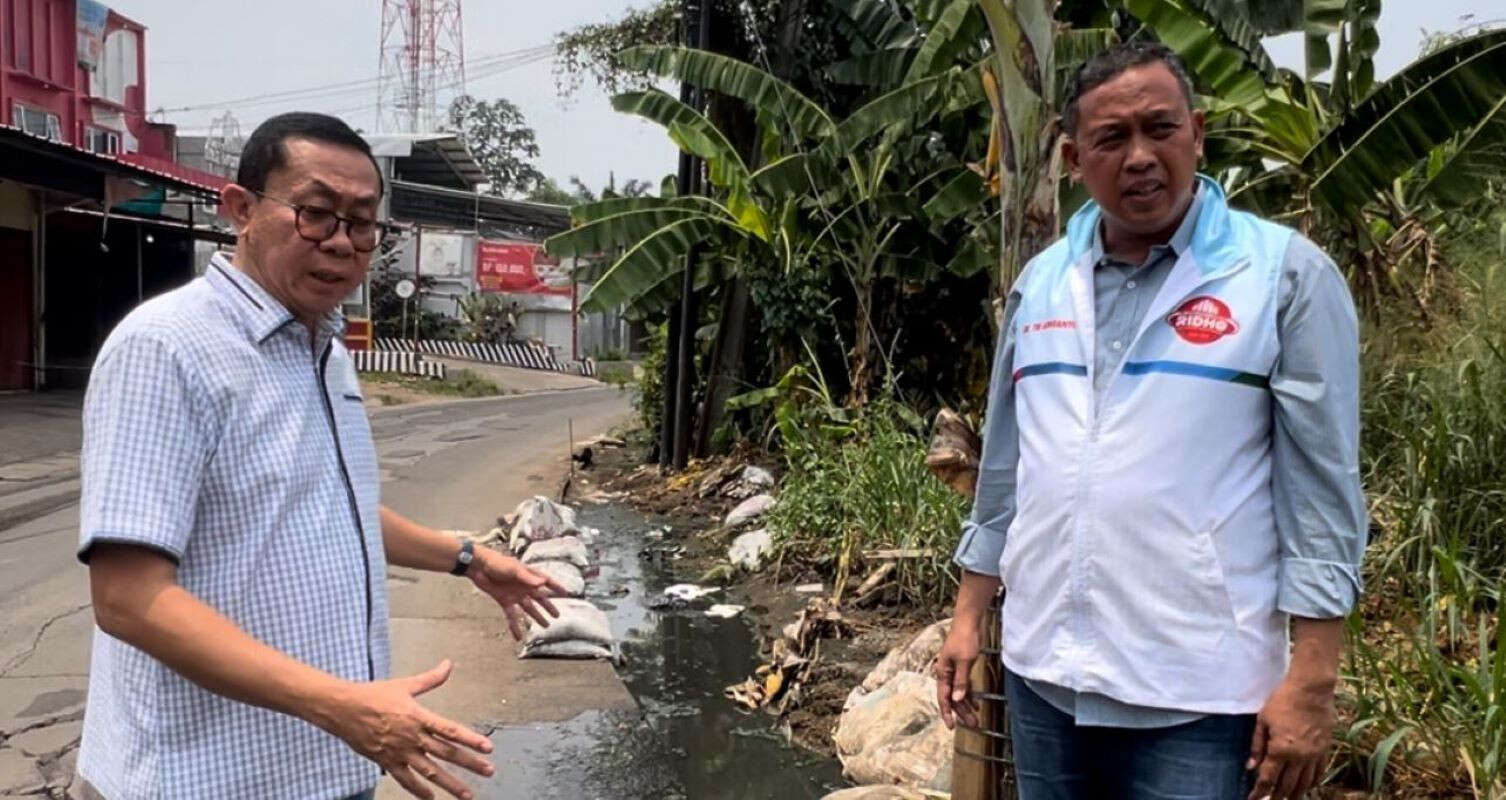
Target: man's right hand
pixel 383 722
pixel 953 670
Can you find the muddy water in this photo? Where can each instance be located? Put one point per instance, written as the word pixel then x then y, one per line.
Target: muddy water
pixel 686 741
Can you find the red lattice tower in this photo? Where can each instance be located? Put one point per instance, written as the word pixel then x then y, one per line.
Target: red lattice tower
pixel 422 64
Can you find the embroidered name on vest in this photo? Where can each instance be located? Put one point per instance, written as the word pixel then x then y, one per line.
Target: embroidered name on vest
pixel 1050 325
pixel 1203 320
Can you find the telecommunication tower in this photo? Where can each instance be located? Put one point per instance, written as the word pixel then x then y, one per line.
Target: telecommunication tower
pixel 422 64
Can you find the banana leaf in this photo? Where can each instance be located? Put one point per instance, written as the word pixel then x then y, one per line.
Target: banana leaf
pixel 622 230
pixel 647 263
pixel 1452 92
pixel 757 88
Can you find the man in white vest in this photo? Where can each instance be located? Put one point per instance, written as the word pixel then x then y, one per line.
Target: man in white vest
pixel 1169 489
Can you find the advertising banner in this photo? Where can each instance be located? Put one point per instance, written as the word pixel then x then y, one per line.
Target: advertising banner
pixel 503 266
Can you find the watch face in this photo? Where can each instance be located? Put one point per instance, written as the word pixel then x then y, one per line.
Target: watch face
pixel 466 556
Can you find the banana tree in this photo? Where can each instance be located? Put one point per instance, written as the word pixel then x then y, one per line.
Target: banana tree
pixel 1334 151
pixel 820 198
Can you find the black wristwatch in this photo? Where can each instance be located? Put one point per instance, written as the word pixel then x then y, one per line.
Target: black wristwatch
pixel 464 558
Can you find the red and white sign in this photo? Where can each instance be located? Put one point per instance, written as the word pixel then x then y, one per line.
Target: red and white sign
pixel 1203 320
pixel 521 267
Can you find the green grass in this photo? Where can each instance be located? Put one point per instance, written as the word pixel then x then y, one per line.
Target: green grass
pixel 619 374
pixel 457 383
pixel 862 485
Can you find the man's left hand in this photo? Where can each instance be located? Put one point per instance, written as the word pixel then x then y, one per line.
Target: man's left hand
pixel 1292 735
pixel 518 589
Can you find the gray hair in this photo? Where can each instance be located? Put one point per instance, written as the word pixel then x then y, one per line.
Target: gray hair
pixel 1109 64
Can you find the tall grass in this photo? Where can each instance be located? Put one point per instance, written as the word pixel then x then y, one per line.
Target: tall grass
pixel 860 484
pixel 1425 682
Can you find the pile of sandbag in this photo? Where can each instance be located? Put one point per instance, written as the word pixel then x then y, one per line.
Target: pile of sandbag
pixel 890 731
pixel 545 536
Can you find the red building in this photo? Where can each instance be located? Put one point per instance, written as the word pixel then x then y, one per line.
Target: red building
pixel 94 214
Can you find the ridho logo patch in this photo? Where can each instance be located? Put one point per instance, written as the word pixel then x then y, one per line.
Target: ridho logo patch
pixel 1203 320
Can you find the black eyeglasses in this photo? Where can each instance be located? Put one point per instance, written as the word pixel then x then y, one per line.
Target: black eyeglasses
pixel 316 224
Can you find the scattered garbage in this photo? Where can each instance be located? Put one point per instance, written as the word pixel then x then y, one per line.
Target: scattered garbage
pixel 771 683
pixel 748 550
pixel 810 588
pixel 724 611
pixel 790 660
pixel 605 441
pixel 567 575
pixel 690 592
pixel 580 631
pixel 601 497
pixel 757 476
pixel 655 534
pixel 749 510
pixel 566 548
pixel 895 736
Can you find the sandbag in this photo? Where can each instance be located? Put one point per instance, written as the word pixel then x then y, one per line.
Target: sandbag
pixel 539 518
pixel 565 574
pixel 750 510
pixel 569 549
pixel 915 656
pixel 877 793
pixel 748 550
pixel 580 631
pixel 895 736
pixel 570 649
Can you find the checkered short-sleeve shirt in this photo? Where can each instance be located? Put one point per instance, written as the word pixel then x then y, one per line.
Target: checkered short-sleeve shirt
pixel 217 433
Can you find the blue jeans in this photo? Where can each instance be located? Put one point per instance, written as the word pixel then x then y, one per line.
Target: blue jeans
pixel 369 794
pixel 1055 759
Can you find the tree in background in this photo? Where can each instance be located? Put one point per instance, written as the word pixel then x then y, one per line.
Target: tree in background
pixel 387 307
pixel 501 141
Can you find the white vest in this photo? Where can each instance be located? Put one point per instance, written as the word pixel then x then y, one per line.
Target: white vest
pixel 1142 560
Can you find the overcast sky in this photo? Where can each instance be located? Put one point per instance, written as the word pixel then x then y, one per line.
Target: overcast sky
pixel 206 53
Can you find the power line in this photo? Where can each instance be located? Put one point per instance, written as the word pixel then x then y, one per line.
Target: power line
pixel 506 59
pixel 474 76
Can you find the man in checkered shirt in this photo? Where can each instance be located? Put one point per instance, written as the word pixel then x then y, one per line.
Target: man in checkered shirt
pixel 237 551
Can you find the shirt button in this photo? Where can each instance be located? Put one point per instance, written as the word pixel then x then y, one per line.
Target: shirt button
pixel 1130 285
pixel 1117 345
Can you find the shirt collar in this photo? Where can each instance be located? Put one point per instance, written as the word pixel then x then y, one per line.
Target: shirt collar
pixel 261 313
pixel 1180 239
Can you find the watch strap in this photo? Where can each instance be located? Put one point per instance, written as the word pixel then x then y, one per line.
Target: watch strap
pixel 464 558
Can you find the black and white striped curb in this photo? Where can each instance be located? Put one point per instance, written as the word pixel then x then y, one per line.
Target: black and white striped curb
pixel 403 363
pixel 512 355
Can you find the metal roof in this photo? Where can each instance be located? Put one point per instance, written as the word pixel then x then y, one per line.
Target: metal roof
pixel 436 159
pixel 435 205
pixel 130 165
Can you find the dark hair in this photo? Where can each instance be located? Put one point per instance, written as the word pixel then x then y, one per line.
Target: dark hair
pixel 1106 66
pixel 264 151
